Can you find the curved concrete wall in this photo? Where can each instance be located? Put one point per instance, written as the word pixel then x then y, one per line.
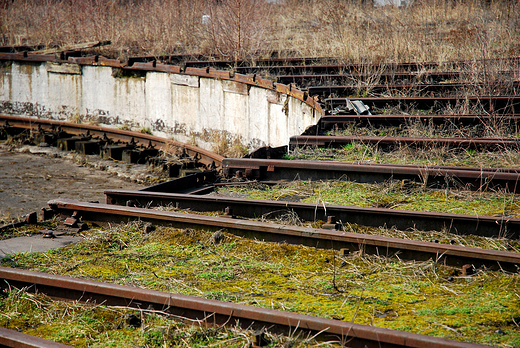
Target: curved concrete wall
pixel 193 105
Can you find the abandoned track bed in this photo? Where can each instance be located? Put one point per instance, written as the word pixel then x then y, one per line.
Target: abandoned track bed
pixel 488 226
pixel 431 176
pixel 329 122
pixel 327 81
pixel 489 103
pixel 389 142
pixel 215 313
pixel 406 249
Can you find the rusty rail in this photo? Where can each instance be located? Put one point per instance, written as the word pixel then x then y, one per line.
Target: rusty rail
pixel 334 69
pixel 15 339
pixel 213 313
pixel 431 176
pixel 331 121
pixel 194 184
pixel 308 80
pixel 393 142
pixel 488 226
pixel 321 238
pixel 509 104
pixel 306 62
pixel 206 157
pixel 431 89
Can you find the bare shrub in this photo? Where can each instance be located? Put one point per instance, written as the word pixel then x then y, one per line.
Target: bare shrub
pixel 236 28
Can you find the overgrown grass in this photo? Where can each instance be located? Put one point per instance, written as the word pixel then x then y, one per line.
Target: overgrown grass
pixel 489 127
pixel 395 194
pixel 81 325
pixel 420 297
pixel 434 155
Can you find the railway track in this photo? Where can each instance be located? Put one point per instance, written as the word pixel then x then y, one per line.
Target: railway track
pixel 487 226
pixel 15 339
pixel 306 62
pixel 430 89
pixel 367 80
pixel 431 176
pixel 330 122
pixel 215 313
pixel 387 70
pixel 131 147
pixel 490 103
pixel 452 255
pixel 388 142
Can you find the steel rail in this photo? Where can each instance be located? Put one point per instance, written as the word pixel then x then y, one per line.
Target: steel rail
pixel 381 72
pixel 430 176
pixel 423 88
pixel 490 103
pixel 336 61
pixel 15 339
pixel 223 64
pixel 393 142
pixel 319 79
pixel 217 313
pixel 487 226
pixel 453 255
pixel 194 184
pixel 322 69
pixel 328 122
pixel 206 157
pixel 378 77
pixel 205 60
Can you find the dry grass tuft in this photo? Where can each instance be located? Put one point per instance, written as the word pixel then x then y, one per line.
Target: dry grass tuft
pixel 227 145
pixel 428 30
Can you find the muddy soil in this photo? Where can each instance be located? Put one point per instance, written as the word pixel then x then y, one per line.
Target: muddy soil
pixel 31 176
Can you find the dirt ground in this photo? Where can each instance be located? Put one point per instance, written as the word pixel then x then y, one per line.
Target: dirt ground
pixel 29 180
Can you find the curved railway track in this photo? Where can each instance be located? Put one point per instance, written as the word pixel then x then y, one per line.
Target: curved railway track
pixel 67 134
pixel 330 122
pixel 386 70
pixel 453 255
pixel 430 89
pixel 367 80
pixel 490 103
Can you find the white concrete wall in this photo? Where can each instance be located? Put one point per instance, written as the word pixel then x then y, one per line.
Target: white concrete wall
pixel 183 107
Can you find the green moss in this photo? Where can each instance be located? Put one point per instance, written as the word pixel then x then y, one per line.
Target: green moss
pixel 363 289
pixel 400 195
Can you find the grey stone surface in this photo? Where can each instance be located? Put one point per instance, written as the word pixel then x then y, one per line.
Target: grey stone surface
pixel 35 243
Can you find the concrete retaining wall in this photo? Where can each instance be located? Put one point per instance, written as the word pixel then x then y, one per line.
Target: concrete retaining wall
pixel 198 105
